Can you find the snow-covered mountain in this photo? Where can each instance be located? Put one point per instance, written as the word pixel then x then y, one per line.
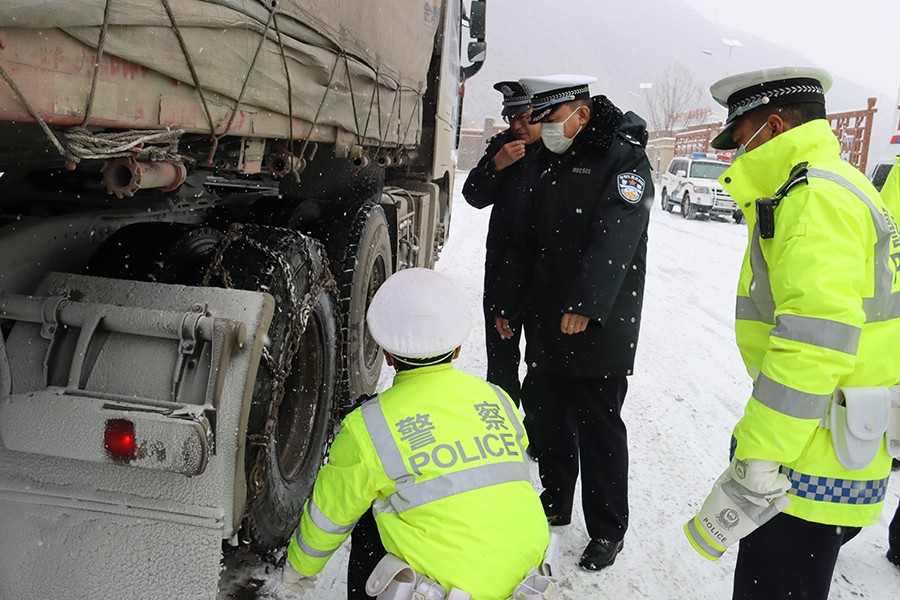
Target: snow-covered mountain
pixel 626 43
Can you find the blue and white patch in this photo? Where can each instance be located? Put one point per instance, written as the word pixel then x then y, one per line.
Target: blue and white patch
pixel 631 187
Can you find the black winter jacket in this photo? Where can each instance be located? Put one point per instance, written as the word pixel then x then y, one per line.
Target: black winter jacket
pixel 507 192
pixel 583 249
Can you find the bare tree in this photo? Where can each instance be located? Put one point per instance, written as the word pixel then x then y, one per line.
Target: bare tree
pixel 675 101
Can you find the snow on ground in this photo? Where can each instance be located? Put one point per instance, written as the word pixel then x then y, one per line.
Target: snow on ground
pixel 688 391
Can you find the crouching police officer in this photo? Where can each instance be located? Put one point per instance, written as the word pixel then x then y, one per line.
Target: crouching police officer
pixel 438 458
pixel 817 324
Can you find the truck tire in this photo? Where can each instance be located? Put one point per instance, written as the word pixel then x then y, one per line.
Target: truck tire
pixel 281 467
pixel 361 260
pixel 155 252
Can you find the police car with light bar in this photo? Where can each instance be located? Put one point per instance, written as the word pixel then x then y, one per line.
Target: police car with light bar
pixel 691 183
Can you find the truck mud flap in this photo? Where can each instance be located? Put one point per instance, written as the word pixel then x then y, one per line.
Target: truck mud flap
pixel 59 547
pixel 124 408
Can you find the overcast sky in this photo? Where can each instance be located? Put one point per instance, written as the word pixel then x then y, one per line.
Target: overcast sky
pixel 860 40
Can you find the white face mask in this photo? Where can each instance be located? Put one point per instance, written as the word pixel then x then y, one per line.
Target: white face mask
pixel 742 149
pixel 554 137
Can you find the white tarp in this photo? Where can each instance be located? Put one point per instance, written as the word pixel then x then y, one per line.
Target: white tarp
pixel 371 56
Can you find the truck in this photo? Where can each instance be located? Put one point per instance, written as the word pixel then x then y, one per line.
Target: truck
pixel 198 200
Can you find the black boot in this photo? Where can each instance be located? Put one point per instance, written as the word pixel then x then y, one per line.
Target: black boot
pixel 894 557
pixel 600 554
pixel 558 520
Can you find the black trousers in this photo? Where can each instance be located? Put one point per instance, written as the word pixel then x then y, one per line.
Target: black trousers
pixel 503 356
pixel 894 532
pixel 578 420
pixel 789 559
pixel 366 550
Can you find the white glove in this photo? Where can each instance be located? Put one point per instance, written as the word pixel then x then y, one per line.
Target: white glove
pixel 294 581
pixel 733 511
pixel 760 477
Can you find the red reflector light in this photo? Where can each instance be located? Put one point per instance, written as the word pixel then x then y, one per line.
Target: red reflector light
pixel 119 440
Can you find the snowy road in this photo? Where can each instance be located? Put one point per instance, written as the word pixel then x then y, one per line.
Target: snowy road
pixel 688 391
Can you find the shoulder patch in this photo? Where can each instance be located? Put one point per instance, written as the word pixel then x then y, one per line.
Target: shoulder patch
pixel 631 187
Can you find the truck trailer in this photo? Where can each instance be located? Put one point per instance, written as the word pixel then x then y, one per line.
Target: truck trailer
pixel 198 200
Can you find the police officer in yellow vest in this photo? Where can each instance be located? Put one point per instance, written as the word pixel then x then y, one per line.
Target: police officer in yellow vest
pixel 438 458
pixel 817 324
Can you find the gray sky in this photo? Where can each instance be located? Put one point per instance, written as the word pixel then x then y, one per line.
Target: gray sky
pixel 859 40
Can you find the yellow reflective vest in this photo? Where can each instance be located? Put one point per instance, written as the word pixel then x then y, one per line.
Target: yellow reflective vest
pixel 440 459
pixel 890 193
pixel 818 307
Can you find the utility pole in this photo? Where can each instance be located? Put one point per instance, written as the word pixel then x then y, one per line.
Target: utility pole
pixel 897 113
pixel 732 44
pixel 895 135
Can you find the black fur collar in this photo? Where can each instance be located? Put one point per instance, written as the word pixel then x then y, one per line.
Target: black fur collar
pixel 600 131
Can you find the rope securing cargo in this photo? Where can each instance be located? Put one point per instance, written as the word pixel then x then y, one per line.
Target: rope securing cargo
pixel 272 42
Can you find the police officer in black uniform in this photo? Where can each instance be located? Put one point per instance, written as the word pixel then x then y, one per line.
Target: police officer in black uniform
pixel 500 180
pixel 893 553
pixel 576 274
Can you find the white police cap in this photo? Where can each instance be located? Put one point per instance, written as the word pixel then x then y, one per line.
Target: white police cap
pixel 744 92
pixel 550 91
pixel 419 314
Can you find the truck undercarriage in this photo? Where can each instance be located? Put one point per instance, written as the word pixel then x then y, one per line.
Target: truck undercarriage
pixel 187 257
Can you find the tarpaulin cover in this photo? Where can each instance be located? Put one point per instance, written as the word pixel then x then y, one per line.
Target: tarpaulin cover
pixel 371 56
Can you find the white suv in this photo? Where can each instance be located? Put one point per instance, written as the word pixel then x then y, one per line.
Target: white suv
pixel 690 181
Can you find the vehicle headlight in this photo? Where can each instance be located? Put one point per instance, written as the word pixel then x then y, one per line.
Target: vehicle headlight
pixel 705 191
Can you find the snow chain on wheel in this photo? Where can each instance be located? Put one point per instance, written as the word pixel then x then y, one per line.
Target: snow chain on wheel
pixel 361 261
pixel 292 414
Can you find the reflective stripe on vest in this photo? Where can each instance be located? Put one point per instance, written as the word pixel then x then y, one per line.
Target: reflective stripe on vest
pixel 388 453
pixel 760 288
pixel 883 306
pixel 451 484
pixel 789 401
pixel 703 543
pixel 408 493
pixel 313 552
pixel 322 521
pixel 839 491
pixel 823 333
pixel 511 417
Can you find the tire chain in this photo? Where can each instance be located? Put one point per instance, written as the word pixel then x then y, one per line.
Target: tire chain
pixel 299 318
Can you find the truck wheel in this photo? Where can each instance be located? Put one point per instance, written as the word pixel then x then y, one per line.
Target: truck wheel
pixel 664 199
pixel 289 426
pixel 361 260
pixel 738 216
pixel 156 252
